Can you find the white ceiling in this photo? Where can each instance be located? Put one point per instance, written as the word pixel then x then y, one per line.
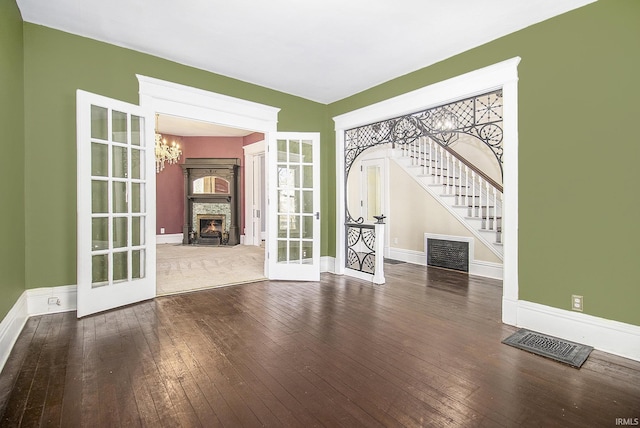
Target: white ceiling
pixel 322 50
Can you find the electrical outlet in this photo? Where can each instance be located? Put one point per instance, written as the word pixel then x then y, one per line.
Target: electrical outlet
pixel 395 240
pixel 162 231
pixel 54 301
pixel 576 303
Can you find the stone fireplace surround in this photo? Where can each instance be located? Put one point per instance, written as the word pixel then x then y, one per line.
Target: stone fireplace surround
pixel 218 205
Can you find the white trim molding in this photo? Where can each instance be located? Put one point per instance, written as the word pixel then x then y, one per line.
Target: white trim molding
pixel 170 238
pixel 327 264
pixel 32 302
pixel 501 75
pixel 199 104
pixel 251 152
pixel 605 335
pixel 63 299
pixel 160 96
pixel 11 326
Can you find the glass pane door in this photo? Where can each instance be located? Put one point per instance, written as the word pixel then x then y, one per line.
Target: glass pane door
pixel 112 205
pixel 294 202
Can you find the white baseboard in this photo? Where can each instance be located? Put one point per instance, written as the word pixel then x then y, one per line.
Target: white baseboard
pixel 172 238
pixel 38 299
pixel 476 267
pixel 328 264
pixel 409 256
pixel 357 274
pixel 605 335
pixel 486 269
pixel 11 326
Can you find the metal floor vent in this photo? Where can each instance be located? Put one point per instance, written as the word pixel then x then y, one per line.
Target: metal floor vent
pixel 448 254
pixel 557 349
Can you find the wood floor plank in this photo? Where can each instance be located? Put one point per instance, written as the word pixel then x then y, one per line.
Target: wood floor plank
pixel 424 349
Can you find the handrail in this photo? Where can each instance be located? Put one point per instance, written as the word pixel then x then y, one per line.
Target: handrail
pixel 474 168
pixel 361 225
pixel 470 188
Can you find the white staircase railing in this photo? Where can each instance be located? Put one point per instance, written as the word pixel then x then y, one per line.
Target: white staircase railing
pixel 471 191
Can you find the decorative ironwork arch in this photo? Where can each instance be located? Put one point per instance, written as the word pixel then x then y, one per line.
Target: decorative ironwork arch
pixel 479 116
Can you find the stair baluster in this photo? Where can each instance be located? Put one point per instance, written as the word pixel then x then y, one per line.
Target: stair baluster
pixel 474 192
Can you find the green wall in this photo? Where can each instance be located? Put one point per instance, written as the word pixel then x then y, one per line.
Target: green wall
pixel 12 159
pixel 578 152
pixel 579 99
pixel 58 63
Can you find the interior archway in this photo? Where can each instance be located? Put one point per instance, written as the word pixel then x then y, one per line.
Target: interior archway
pixel 502 75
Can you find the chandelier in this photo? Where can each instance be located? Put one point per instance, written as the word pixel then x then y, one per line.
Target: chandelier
pixel 165 152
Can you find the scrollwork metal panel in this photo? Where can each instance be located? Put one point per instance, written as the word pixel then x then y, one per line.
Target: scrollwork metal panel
pixel 360 247
pixel 479 116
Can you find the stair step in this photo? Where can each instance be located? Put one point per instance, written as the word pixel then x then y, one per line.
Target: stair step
pixel 434 174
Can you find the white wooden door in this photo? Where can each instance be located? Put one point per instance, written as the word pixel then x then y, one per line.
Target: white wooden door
pixel 371 189
pixel 115 236
pixel 257 211
pixel 293 221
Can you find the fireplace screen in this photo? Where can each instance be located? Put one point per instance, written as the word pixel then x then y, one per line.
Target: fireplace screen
pixel 211 225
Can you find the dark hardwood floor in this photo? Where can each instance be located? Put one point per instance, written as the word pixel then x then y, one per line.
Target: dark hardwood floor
pixel 422 350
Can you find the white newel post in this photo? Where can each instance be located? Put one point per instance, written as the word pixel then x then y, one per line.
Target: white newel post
pixel 378 275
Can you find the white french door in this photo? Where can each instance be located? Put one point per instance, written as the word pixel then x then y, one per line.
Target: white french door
pixel 293 166
pixel 115 236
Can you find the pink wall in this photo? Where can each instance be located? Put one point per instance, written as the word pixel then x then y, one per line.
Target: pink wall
pixel 170 195
pixel 170 181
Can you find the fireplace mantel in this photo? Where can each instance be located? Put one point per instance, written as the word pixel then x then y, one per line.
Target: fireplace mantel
pixel 225 169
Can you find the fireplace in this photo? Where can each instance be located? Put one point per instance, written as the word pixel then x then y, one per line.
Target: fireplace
pixel 211 229
pixel 211 201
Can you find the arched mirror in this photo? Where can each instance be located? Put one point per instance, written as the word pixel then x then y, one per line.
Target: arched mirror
pixel 211 185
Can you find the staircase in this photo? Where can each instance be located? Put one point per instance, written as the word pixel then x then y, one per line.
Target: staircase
pixel 469 195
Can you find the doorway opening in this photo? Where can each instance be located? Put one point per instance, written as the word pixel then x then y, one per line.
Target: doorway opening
pixel 200 208
pixel 203 120
pixel 502 76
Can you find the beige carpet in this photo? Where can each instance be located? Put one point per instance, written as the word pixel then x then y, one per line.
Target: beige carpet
pixel 186 268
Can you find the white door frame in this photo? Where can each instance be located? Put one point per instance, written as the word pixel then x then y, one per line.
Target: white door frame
pixel 501 75
pixel 159 96
pixel 383 163
pixel 251 153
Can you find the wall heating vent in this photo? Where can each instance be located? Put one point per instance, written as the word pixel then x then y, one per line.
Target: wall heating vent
pixel 448 254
